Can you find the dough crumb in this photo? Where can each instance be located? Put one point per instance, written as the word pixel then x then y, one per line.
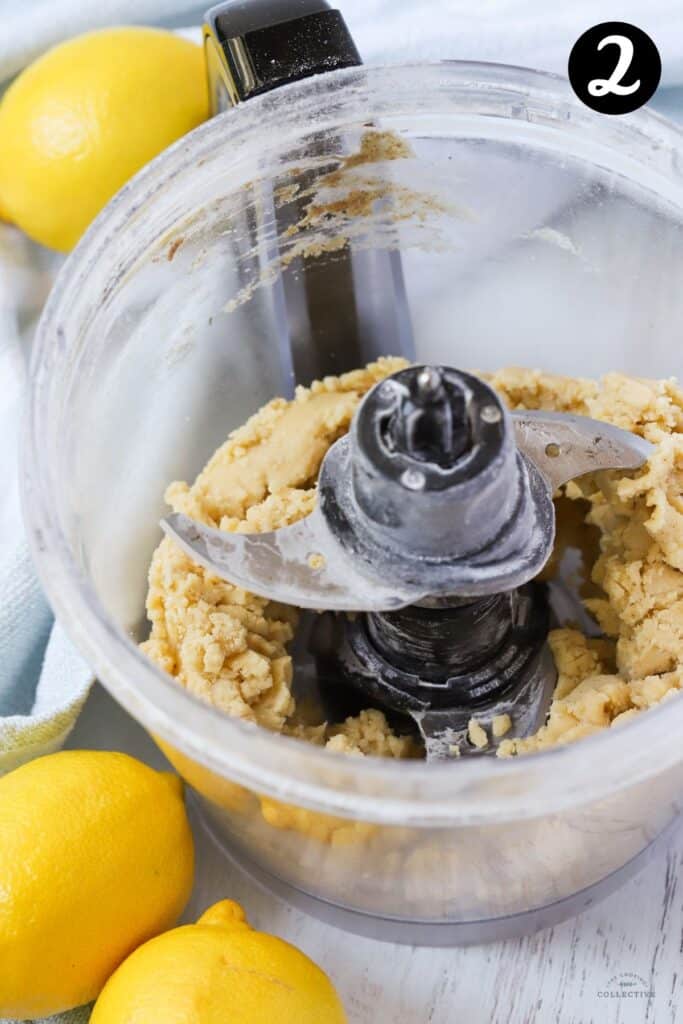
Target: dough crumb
pixel 500 725
pixel 477 734
pixel 369 733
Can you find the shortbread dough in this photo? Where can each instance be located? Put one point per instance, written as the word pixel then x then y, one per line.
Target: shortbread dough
pixel 222 643
pixel 229 647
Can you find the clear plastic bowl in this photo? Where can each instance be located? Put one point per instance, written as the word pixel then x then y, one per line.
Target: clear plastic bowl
pixel 552 238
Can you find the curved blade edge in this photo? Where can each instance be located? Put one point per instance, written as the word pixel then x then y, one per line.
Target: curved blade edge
pixel 564 446
pixel 301 565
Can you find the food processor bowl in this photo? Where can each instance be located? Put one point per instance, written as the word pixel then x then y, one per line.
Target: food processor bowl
pixel 531 232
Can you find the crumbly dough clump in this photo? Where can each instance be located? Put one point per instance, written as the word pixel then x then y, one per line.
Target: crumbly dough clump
pixel 635 585
pixel 229 647
pixel 222 643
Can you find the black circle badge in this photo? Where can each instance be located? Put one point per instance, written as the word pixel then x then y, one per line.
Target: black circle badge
pixel 614 67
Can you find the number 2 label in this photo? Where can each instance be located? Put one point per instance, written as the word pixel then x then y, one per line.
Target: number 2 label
pixel 614 67
pixel 613 84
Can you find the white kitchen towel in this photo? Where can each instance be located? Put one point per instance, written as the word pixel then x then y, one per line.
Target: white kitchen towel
pixel 43 681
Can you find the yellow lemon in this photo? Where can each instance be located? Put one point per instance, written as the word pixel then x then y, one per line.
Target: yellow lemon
pixel 216 971
pixel 96 856
pixel 83 118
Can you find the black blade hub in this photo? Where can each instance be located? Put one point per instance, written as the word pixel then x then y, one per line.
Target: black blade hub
pixel 433 487
pixel 426 658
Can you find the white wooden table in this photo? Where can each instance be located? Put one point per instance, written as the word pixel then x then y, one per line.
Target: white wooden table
pixel 556 975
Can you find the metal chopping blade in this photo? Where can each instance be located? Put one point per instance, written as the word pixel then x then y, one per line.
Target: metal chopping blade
pixel 304 564
pixel 564 446
pixel 301 564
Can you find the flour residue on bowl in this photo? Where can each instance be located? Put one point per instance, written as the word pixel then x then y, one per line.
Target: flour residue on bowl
pixel 360 201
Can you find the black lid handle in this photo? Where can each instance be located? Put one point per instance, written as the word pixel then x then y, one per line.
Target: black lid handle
pixel 253 46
